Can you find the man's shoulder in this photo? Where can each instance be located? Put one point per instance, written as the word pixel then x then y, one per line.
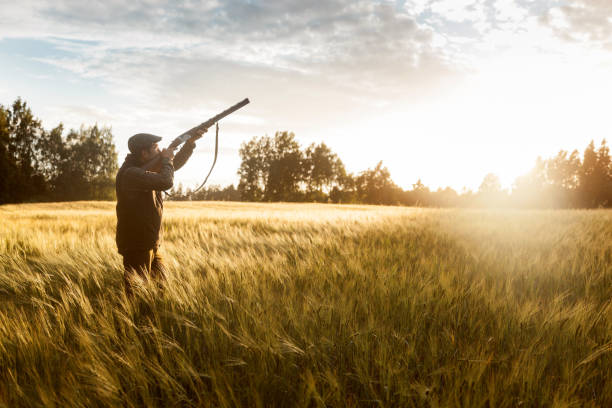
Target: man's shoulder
pixel 127 174
pixel 128 163
pixel 129 169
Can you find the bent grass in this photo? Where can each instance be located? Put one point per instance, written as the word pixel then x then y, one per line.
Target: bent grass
pixel 309 305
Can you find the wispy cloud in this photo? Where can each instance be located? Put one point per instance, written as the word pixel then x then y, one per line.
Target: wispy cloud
pixel 380 47
pixel 333 56
pixel 291 34
pixel 588 21
pixel 318 68
pixel 164 52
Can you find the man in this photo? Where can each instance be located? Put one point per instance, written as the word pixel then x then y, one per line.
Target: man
pixel 140 205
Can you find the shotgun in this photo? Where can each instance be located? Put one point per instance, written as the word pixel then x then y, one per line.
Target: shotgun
pixel 155 162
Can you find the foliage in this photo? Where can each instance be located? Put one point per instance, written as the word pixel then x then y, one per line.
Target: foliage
pixel 595 176
pixel 323 169
pixel 309 305
pixel 211 193
pixel 20 154
pixel 376 187
pixel 285 163
pixel 274 169
pixel 39 165
pixel 88 166
pixel 254 169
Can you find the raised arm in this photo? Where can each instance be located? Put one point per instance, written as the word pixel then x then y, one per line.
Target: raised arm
pixel 138 179
pixel 183 155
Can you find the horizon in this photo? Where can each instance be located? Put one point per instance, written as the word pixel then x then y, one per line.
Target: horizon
pixel 483 86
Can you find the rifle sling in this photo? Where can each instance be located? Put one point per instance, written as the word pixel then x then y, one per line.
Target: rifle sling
pixel 214 160
pixel 211 167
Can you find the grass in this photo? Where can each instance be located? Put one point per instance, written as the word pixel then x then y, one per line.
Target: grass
pixel 309 305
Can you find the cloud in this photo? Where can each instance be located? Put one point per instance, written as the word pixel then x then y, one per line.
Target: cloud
pixel 299 59
pixel 140 47
pixel 510 12
pixel 166 54
pixel 321 69
pixel 288 33
pixel 586 21
pixel 459 10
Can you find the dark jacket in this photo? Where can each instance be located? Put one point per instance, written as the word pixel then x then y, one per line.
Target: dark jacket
pixel 140 203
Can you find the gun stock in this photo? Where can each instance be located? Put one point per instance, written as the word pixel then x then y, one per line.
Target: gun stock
pixel 155 163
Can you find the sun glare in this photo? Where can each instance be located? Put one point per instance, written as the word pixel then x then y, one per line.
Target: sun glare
pixel 498 120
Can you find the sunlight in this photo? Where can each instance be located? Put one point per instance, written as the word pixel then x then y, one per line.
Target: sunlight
pixel 498 120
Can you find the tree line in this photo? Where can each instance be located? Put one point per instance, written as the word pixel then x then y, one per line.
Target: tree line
pixel 278 169
pixel 48 165
pixel 52 165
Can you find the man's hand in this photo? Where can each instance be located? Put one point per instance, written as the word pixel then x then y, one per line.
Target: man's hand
pixel 168 153
pixel 195 135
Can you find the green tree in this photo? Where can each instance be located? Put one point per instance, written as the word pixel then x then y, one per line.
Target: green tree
pixel 88 165
pixel 9 181
pixel 25 131
pixel 52 154
pixel 21 133
pixel 588 176
pixel 595 176
pixel 346 189
pixel 562 179
pixel 254 168
pixel 563 170
pixel 40 165
pixel 324 171
pixel 285 170
pixel 605 173
pixel 374 186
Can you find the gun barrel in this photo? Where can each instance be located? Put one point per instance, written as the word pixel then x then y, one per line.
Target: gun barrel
pixel 226 112
pixel 154 162
pixel 205 125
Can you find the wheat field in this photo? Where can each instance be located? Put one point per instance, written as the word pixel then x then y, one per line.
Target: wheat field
pixel 308 305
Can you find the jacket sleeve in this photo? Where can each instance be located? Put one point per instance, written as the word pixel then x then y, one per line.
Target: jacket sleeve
pixel 183 155
pixel 138 179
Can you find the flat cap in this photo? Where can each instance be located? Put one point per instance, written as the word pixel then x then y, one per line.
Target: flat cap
pixel 142 141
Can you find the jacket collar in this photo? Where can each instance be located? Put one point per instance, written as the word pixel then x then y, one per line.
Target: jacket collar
pixel 131 161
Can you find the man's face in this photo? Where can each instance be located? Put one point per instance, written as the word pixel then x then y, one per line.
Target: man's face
pixel 150 153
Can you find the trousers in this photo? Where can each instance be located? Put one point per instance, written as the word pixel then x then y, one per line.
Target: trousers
pixel 146 264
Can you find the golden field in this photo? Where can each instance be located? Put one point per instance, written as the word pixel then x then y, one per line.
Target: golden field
pixel 308 305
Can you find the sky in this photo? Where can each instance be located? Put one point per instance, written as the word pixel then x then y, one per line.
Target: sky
pixel 445 91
